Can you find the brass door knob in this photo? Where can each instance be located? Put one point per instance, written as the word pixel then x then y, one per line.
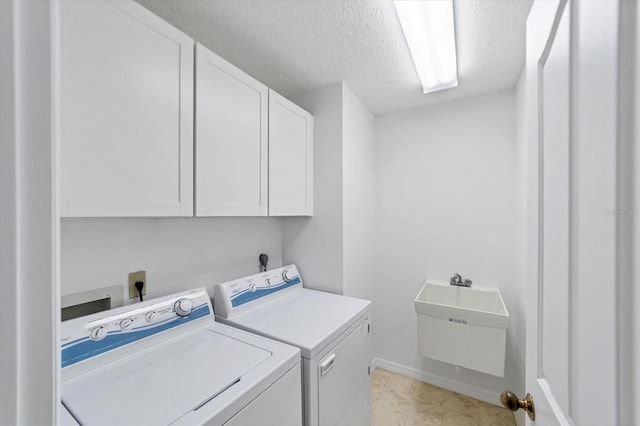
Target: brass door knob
pixel 513 403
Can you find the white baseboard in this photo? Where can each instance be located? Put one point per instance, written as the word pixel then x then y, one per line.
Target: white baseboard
pixel 439 381
pixel 520 417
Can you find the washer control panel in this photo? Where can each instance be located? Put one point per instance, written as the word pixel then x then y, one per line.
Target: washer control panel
pixel 95 334
pixel 237 295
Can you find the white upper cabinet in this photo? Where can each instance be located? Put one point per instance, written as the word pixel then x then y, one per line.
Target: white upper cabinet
pixel 231 139
pixel 125 112
pixel 290 158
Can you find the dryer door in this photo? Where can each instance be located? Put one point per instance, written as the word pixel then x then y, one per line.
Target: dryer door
pixel 343 377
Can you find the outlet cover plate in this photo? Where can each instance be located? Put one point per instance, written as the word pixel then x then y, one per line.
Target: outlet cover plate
pixel 134 277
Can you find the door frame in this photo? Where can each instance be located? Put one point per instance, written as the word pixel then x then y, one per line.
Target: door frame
pixel 29 221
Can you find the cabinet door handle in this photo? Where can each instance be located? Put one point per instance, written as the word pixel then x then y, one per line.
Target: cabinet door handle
pixel 327 364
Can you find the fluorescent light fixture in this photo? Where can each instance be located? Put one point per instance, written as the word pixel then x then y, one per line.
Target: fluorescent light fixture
pixel 429 30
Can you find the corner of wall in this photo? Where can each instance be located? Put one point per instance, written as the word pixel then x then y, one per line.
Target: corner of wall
pixel 358 196
pixel 314 244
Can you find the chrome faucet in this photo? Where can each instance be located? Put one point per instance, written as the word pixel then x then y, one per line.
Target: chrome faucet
pixel 456 279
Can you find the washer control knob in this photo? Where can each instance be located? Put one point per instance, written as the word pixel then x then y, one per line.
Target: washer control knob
pixel 126 323
pixel 267 281
pixel 183 307
pixel 97 333
pixel 285 277
pixel 150 316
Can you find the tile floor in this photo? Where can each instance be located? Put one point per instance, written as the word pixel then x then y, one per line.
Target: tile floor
pixel 400 400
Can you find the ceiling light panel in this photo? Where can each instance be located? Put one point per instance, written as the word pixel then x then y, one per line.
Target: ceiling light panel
pixel 429 30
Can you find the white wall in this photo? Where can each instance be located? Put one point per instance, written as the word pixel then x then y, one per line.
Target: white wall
pixel 314 244
pixel 358 197
pixel 177 253
pixel 446 202
pixel 334 249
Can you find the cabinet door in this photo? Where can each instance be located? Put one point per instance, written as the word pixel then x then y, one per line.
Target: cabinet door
pixel 231 139
pixel 290 158
pixel 125 112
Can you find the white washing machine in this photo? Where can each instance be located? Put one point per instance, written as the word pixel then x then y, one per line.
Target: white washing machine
pixel 166 361
pixel 333 333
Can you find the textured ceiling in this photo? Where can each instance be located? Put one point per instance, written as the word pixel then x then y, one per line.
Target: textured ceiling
pixel 298 46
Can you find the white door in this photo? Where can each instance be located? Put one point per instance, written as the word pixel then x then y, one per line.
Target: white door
pixel 571 357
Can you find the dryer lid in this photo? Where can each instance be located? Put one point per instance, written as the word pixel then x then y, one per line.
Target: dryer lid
pixel 308 319
pixel 160 385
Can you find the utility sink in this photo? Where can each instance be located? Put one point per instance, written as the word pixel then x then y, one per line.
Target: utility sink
pixel 464 326
pixel 481 306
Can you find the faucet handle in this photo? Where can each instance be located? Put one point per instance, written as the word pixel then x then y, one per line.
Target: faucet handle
pixel 455 279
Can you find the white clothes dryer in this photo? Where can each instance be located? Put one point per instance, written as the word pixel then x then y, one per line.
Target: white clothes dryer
pixel 166 361
pixel 332 331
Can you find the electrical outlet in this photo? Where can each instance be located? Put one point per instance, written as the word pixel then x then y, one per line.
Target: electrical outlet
pixel 134 277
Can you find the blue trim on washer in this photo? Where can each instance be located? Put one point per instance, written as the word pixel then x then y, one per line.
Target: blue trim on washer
pixel 85 348
pixel 136 328
pixel 75 341
pixel 246 296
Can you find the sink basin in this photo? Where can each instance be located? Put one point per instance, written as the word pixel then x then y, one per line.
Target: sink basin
pixel 481 306
pixel 463 326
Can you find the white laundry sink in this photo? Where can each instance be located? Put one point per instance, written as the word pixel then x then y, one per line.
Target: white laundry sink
pixel 481 306
pixel 464 326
